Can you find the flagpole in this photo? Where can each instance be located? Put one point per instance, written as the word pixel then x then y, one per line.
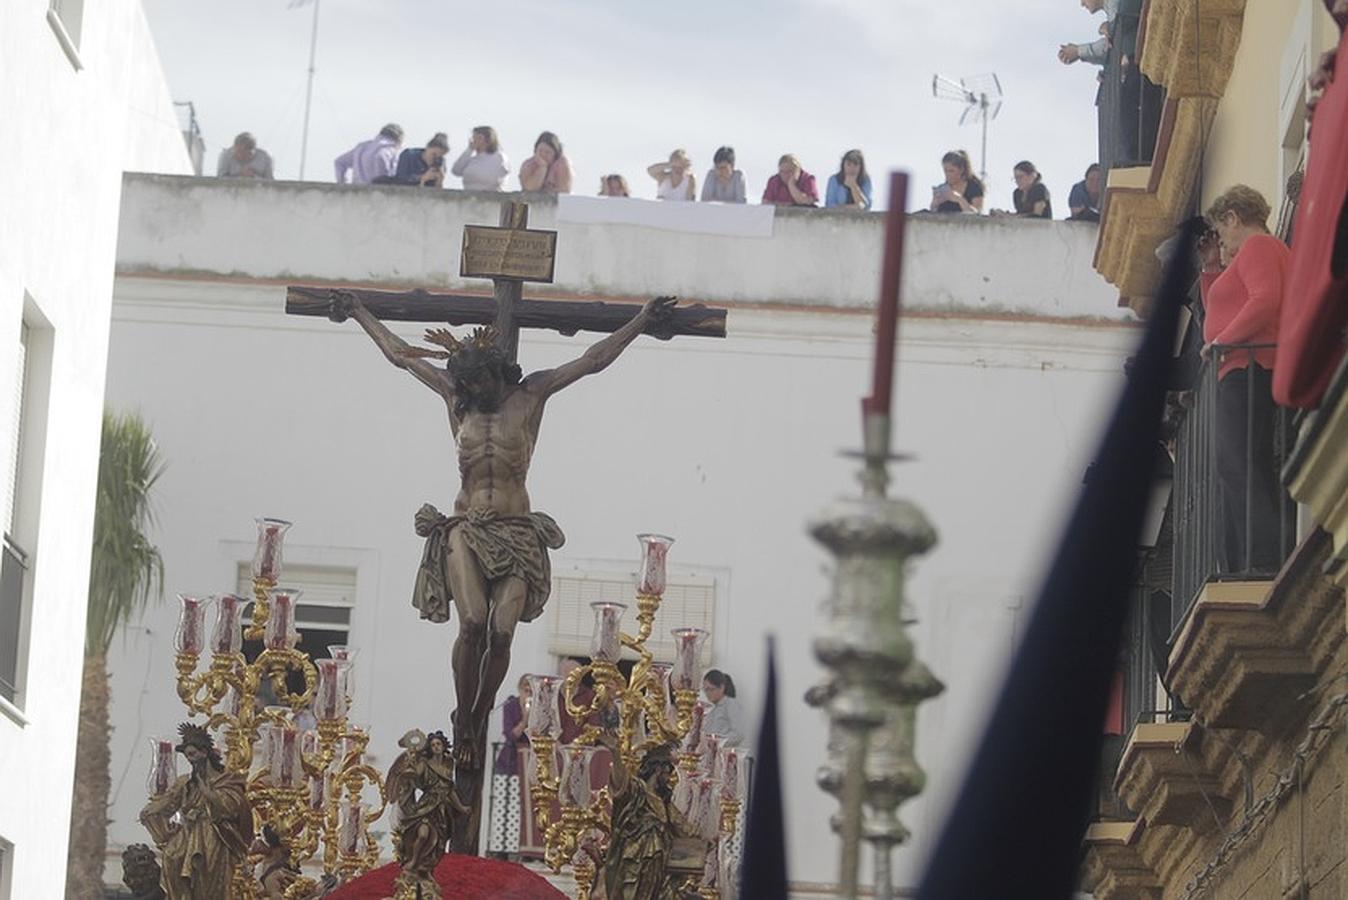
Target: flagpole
pixel 309 90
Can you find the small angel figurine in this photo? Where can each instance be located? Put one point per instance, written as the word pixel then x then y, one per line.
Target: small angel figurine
pixel 421 787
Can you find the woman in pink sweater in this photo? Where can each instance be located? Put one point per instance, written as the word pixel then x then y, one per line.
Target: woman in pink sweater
pixel 1242 302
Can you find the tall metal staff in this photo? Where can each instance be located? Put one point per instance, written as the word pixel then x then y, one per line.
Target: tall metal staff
pixel 309 88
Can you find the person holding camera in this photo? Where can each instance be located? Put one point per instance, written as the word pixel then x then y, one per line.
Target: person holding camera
pixel 423 166
pixel 961 192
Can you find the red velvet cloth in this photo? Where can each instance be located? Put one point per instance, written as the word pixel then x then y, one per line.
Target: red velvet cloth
pixel 460 878
pixel 1315 310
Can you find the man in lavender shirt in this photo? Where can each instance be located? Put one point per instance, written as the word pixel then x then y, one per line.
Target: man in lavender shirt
pixel 371 160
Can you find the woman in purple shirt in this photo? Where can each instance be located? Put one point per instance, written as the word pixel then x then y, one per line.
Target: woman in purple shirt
pixel 506 811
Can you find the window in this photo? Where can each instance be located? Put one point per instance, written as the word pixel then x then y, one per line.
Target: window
pixel 13 556
pixel 688 600
pixel 323 615
pixel 66 18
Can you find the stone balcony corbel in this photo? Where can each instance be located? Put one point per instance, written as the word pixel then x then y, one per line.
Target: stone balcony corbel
pixel 1164 777
pixel 1114 868
pixel 1247 649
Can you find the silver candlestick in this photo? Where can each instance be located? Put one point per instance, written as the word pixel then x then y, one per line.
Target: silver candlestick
pixel 875 681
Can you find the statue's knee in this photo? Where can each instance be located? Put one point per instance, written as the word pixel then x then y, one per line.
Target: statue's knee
pixel 500 640
pixel 473 631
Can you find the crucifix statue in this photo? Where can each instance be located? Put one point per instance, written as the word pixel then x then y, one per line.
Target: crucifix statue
pixel 487 560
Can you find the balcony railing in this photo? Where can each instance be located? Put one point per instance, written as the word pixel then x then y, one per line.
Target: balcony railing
pixel 13 575
pixel 1233 520
pixel 1129 105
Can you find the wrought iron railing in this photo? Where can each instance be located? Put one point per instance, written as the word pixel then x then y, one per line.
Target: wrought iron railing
pixel 13 576
pixel 191 129
pixel 1233 519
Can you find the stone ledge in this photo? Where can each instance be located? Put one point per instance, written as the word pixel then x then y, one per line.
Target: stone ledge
pixel 1113 868
pixel 1248 648
pixel 1163 777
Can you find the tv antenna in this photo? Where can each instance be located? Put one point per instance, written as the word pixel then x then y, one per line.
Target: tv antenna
pixel 982 99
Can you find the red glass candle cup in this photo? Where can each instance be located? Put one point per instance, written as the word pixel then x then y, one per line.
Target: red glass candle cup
pixel 227 635
pixel 329 700
pixel 190 638
pixel 163 766
pixel 281 633
pixel 687 657
pixel 606 641
pixel 654 549
pixel 544 719
pixel 267 557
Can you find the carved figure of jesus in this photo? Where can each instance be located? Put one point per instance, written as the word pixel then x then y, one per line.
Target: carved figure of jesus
pixel 489 559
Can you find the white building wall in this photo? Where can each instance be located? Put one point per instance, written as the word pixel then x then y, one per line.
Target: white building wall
pixel 69 133
pixel 730 446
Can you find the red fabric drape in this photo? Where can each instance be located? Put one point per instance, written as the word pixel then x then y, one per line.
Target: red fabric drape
pixel 460 878
pixel 1315 304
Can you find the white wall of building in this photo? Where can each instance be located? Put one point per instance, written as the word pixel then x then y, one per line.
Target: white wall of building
pixel 69 134
pixel 730 446
pixel 408 237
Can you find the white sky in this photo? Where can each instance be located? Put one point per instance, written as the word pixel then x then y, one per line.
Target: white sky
pixel 624 83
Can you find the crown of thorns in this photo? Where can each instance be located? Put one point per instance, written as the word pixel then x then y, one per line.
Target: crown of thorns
pixel 195 736
pixel 480 346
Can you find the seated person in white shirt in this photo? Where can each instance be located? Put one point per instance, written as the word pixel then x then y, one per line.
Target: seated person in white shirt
pixel 726 717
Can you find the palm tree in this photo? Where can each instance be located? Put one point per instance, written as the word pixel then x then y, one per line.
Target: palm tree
pixel 125 574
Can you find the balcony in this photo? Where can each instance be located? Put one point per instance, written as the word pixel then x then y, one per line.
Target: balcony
pixel 1234 523
pixel 1129 104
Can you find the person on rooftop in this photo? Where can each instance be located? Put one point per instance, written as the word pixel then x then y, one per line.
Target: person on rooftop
pixel 368 160
pixel 482 165
pixel 961 192
pixel 724 183
pixel 1097 51
pixel 244 159
pixel 792 185
pixel 1031 194
pixel 548 171
pixel 1084 201
pixel 614 186
pixel 851 187
pixel 424 166
pixel 672 178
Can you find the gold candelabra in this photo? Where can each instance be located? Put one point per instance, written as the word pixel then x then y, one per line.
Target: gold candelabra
pixel 310 783
pixel 656 705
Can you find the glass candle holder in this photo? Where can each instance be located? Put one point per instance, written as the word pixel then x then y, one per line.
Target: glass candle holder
pixel 267 557
pixel 281 633
pixel 544 719
pixel 734 774
pixel 706 808
pixel 654 549
pixel 317 792
pixel 709 755
pixel 346 656
pixel 574 785
pixel 687 657
pixel 227 635
pixel 284 758
pixel 661 685
pixel 692 739
pixel 190 638
pixel 329 699
pixel 230 702
pixel 606 642
pixel 309 743
pixel 351 748
pixel 351 823
pixel 163 766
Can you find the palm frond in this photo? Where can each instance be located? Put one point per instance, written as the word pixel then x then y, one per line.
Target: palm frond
pixel 126 571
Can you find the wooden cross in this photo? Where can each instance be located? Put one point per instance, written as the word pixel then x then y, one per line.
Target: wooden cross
pixel 509 256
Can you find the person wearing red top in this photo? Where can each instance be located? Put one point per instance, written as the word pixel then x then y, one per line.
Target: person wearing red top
pixel 1242 303
pixel 792 185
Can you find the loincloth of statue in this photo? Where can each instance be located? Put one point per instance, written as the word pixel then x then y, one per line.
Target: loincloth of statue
pixel 502 546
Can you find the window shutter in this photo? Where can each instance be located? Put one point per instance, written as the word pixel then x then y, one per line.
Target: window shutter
pixel 329 593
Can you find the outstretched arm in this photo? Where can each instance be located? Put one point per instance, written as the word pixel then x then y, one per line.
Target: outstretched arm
pixel 346 304
pixel 602 354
